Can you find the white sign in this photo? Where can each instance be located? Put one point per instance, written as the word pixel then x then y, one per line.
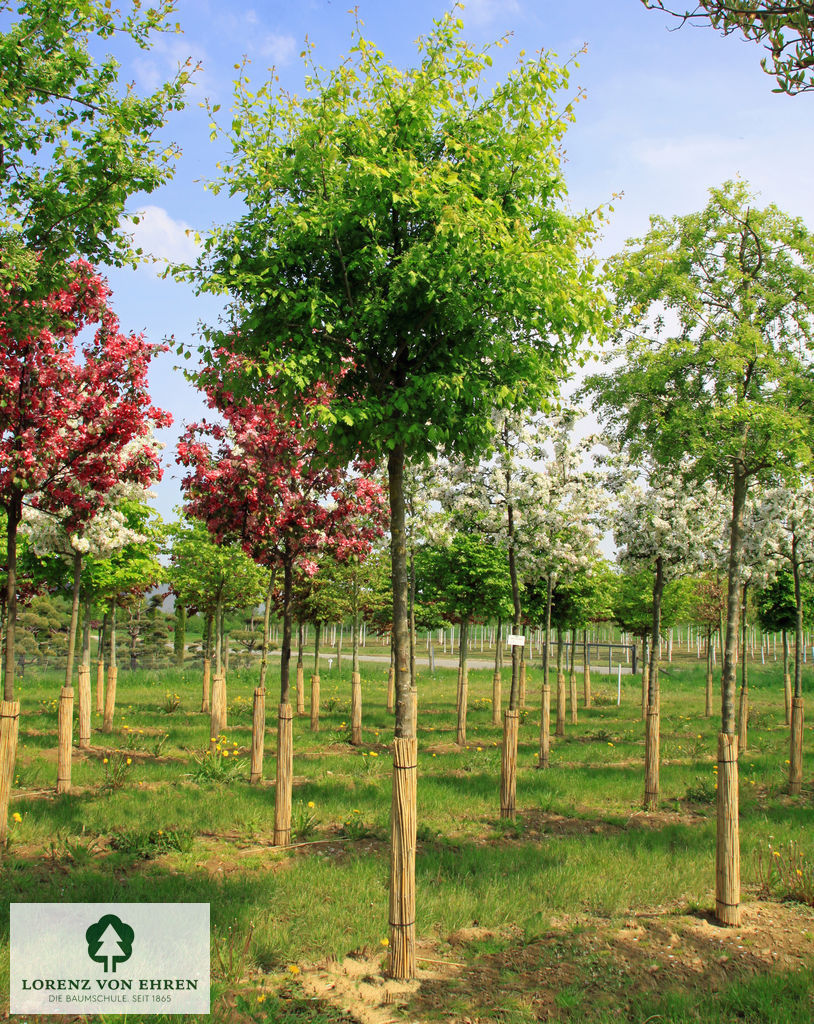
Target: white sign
pixel 515 640
pixel 109 958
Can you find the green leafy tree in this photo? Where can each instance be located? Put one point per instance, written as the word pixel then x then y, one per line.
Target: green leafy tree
pixel 76 143
pixel 725 380
pixel 405 238
pixel 785 27
pixel 468 580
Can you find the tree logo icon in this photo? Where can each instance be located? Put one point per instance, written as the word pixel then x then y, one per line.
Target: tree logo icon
pixel 110 941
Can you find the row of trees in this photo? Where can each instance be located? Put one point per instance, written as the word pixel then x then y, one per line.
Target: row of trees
pixel 405 239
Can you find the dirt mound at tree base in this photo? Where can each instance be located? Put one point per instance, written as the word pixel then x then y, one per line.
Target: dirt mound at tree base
pixel 583 968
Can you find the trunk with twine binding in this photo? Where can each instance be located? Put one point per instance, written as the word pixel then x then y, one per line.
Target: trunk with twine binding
pixel 560 728
pixel 65 739
pixel 796 736
pixel 355 709
pixel 586 670
pixel 258 733
pixel 401 951
pixel 652 739
pixel 545 697
pixel 463 685
pixel 572 678
pixel 508 756
pixel 285 775
pixel 9 732
pixel 497 686
pixel 285 720
pixel 727 847
pixel 66 700
pixel 727 852
pixel 786 676
pixel 112 677
pixel 743 711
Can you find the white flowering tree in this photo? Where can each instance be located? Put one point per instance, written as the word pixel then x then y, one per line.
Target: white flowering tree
pixel 107 532
pixel 790 514
pixel 667 522
pixel 562 527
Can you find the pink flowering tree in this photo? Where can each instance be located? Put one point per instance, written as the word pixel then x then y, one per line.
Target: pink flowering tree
pixel 266 478
pixel 72 418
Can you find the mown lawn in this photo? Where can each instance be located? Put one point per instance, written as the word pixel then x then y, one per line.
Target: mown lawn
pixel 152 819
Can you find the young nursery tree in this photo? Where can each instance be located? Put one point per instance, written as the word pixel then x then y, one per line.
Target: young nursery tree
pixel 724 380
pixel 265 480
pixel 405 238
pixel 70 428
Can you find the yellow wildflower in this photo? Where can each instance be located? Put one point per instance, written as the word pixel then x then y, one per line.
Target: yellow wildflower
pixel 293 969
pixel 385 942
pixel 129 760
pixel 17 817
pixel 261 999
pixel 104 760
pixel 310 803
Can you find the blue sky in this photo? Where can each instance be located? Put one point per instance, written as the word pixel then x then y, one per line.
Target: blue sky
pixel 666 115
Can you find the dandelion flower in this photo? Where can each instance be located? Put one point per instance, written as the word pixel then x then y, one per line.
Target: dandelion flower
pixel 799 872
pixel 17 817
pixel 261 999
pixel 775 853
pixel 293 969
pixel 310 803
pixel 104 760
pixel 129 760
pixel 385 942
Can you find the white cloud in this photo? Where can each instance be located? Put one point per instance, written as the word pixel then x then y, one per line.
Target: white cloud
pixel 166 56
pixel 483 12
pixel 280 49
pixel 162 238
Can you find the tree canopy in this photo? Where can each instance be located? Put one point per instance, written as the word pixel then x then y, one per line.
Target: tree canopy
pixel 786 27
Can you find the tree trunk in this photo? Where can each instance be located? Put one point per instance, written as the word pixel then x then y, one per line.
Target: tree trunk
pixel 217 720
pixel 727 852
pixel 100 667
pixel 391 679
pixel 14 510
pixel 259 700
pixel 315 680
pixel 401 950
pixel 523 672
pixel 545 701
pixel 412 613
pixel 497 694
pixel 586 669
pixel 508 761
pixel 560 729
pixel 179 640
pixel 645 677
pixel 743 713
pixel 652 739
pixel 796 738
pixel 463 684
pixel 84 680
pixel 207 663
pixel 112 675
pixel 708 698
pixel 285 727
pixel 300 682
pixel 572 678
pixel 355 677
pixel 786 676
pixel 66 698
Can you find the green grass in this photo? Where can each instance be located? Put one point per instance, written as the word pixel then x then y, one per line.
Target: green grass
pixel 165 826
